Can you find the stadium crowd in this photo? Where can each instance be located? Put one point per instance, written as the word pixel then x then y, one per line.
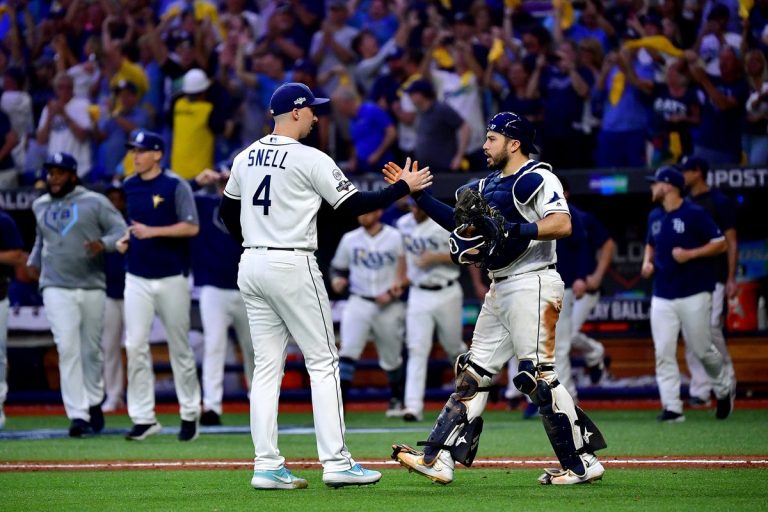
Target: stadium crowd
pixel 627 83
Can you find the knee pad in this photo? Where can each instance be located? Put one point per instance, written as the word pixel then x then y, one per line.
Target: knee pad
pixel 525 380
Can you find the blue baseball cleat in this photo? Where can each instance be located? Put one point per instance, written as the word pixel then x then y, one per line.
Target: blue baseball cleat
pixel 357 475
pixel 277 479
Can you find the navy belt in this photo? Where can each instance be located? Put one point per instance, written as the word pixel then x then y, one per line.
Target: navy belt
pixel 435 287
pixel 369 299
pixel 502 278
pixel 272 248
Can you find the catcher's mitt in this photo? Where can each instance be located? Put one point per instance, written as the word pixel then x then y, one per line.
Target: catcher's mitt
pixel 480 233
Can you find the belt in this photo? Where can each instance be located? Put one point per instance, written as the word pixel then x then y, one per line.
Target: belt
pixel 273 248
pixel 435 287
pixel 369 299
pixel 502 278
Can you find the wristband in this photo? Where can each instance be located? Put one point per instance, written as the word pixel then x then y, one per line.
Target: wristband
pixel 527 231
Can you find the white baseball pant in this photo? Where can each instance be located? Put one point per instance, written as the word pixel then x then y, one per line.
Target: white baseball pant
pixel 220 308
pixel 361 318
pixel 285 296
pixel 563 336
pixel 427 311
pixel 168 297
pixel 76 317
pixel 700 386
pixel 668 317
pixel 592 350
pixel 3 350
pixel 111 344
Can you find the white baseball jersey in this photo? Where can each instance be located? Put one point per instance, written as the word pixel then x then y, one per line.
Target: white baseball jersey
pixel 371 260
pixel 419 238
pixel 278 181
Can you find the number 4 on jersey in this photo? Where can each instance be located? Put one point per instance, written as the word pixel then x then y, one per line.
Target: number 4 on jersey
pixel 258 200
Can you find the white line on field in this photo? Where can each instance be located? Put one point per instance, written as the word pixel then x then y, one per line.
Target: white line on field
pixel 13 466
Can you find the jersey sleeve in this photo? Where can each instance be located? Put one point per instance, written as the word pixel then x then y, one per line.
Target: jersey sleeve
pixel 232 189
pixel 330 182
pixel 726 213
pixel 650 236
pixel 550 197
pixel 186 211
pixel 340 260
pixel 707 227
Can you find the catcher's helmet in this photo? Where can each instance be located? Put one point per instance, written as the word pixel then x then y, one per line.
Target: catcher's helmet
pixel 515 127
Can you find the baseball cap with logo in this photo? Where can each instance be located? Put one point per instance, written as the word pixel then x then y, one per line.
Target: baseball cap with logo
pixel 144 139
pixel 293 95
pixel 668 174
pixel 61 160
pixel 695 163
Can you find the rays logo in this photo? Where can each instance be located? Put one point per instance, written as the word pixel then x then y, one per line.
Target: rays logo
pixel 299 101
pixel 678 225
pixel 61 217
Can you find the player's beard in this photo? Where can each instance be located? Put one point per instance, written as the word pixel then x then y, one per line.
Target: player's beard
pixel 65 189
pixel 497 162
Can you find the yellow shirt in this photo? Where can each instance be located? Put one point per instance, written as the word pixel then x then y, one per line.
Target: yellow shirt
pixel 192 148
pixel 131 72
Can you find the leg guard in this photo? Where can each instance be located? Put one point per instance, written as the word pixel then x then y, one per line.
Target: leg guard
pixel 559 430
pixel 453 430
pixel 593 438
pixel 525 380
pixel 396 380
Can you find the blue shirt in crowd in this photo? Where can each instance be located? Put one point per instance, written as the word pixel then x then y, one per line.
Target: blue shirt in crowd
pixel 721 129
pixel 367 131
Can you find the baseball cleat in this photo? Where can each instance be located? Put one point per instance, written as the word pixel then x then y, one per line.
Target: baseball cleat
pixel 141 432
pixel 97 418
pixel 396 409
pixel 557 476
pixel 725 405
pixel 277 479
pixel 356 475
pixel 188 431
pixel 210 419
pixel 409 415
pixel 441 471
pixel 670 417
pixel 80 428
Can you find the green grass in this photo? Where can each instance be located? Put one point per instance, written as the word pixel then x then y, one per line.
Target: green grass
pixel 475 489
pixel 629 433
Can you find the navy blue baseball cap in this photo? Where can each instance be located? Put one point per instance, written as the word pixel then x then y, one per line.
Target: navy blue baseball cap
pixel 424 87
pixel 695 163
pixel 61 160
pixel 668 174
pixel 145 139
pixel 293 95
pixel 515 127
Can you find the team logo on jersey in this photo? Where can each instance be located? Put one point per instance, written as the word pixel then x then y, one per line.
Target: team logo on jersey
pixel 299 101
pixel 61 217
pixel 338 175
pixel 656 228
pixel 156 200
pixel 372 260
pixel 678 225
pixel 555 198
pixel 343 185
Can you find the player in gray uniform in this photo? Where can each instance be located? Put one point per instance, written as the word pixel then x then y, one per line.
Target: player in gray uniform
pixel 523 212
pixel 270 203
pixel 434 302
pixel 366 261
pixel 74 228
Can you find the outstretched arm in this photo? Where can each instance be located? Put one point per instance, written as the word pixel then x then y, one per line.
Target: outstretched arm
pixel 437 210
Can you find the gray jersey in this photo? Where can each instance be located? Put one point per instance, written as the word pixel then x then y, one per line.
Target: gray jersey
pixel 418 238
pixel 63 226
pixel 371 260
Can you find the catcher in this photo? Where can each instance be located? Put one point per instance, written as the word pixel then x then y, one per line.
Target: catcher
pixel 507 223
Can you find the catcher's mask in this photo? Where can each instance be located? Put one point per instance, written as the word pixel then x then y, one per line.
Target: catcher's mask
pixel 468 248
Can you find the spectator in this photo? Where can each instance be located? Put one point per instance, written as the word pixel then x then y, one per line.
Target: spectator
pixel 371 131
pixel 305 72
pixel 8 140
pixel 714 36
pixel 755 140
pixel 284 35
pixel 441 134
pixel 563 87
pixel 17 104
pixel 515 98
pixel 114 129
pixel 718 140
pixel 65 124
pixel 377 19
pixel 196 123
pixel 332 45
pixel 591 23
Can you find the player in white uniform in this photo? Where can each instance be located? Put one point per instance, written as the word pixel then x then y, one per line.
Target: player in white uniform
pixel 434 302
pixel 366 261
pixel 518 315
pixel 271 202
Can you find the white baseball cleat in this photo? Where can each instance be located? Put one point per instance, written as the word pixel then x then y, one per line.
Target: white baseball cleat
pixel 594 472
pixel 277 479
pixel 441 470
pixel 395 409
pixel 356 475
